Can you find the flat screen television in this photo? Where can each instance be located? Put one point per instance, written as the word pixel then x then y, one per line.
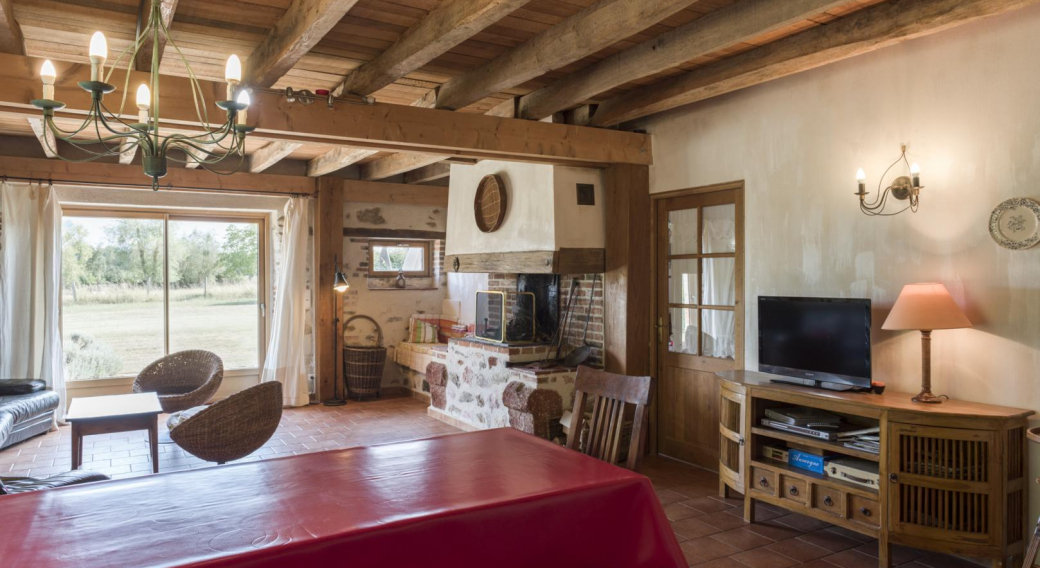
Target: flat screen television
pixel 823 340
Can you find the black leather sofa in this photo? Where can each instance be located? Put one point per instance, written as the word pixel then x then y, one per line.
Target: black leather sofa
pixel 26 409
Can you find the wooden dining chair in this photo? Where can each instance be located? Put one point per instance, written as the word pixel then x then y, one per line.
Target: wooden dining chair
pixel 611 394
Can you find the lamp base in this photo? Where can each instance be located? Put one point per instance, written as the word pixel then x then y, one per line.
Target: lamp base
pixel 927 397
pixel 335 402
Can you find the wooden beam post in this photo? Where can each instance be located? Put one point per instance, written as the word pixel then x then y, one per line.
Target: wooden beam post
pixel 328 245
pixel 627 281
pixel 336 159
pixel 271 154
pixel 299 30
pixel 397 164
pixel 11 40
pixel 426 174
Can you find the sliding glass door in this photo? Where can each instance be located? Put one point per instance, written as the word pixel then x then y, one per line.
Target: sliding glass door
pixel 141 285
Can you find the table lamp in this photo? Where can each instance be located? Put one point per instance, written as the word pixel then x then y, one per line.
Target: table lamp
pixel 925 307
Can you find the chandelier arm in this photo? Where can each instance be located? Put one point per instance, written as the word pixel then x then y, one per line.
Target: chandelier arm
pixel 127 129
pixel 181 139
pixel 196 88
pixel 60 133
pixel 241 160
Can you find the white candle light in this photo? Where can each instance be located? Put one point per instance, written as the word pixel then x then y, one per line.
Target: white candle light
pixel 98 55
pixel 233 75
pixel 915 174
pixel 861 179
pixel 243 98
pixel 48 74
pixel 144 102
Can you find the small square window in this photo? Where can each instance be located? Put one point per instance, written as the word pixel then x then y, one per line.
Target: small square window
pixel 388 258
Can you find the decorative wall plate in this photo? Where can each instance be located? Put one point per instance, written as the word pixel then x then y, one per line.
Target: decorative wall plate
pixel 1015 223
pixel 489 205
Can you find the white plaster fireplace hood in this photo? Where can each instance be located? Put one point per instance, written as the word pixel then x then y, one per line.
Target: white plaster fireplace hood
pixel 545 230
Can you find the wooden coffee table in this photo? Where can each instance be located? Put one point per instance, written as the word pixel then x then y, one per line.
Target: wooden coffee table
pixel 116 413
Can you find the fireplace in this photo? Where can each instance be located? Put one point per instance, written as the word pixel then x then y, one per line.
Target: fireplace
pixel 505 317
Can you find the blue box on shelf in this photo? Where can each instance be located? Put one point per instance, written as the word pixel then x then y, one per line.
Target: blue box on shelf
pixel 806 461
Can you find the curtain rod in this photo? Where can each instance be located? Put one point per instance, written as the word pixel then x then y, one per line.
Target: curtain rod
pixel 55 181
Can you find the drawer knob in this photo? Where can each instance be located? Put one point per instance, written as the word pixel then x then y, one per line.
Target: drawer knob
pixel 763 482
pixel 742 440
pixel 893 478
pixel 866 512
pixel 828 501
pixel 792 490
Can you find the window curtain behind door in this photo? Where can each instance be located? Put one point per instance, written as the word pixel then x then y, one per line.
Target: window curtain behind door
pixel 30 287
pixel 287 351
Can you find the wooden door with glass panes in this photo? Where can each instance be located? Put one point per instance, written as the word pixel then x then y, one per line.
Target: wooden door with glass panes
pixel 699 316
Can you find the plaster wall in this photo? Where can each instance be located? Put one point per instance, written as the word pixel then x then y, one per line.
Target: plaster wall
pixel 966 102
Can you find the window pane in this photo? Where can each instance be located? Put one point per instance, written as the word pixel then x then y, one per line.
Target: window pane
pixel 683 337
pixel 112 302
pixel 719 281
pixel 682 281
pixel 214 290
pixel 398 257
pixel 682 231
pixel 718 333
pixel 719 231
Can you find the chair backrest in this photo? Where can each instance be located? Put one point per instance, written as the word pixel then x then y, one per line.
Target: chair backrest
pixel 610 395
pixel 180 372
pixel 232 428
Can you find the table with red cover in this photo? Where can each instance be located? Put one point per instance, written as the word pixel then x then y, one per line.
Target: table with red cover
pixel 496 498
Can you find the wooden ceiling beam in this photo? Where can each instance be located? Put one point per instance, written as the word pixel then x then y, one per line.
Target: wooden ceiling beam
pixel 127 151
pixel 44 135
pixel 304 24
pixel 726 27
pixel 11 40
pixel 270 154
pixel 167 9
pixel 374 127
pixel 582 34
pixel 426 174
pixel 445 27
pixel 95 173
pixel 397 164
pixel 194 157
pixel 380 192
pixel 861 32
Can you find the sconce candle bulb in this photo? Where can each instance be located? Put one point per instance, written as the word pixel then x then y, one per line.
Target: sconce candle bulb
pixel 98 55
pixel 915 174
pixel 861 183
pixel 48 75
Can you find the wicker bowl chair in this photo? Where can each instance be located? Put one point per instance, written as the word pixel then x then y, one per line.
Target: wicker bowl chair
pixel 232 428
pixel 182 380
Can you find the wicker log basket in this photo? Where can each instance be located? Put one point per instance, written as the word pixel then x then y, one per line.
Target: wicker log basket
pixel 363 364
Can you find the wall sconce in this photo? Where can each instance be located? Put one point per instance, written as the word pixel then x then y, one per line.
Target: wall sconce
pixel 903 188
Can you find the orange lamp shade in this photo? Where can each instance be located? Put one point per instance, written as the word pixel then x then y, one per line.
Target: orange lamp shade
pixel 925 307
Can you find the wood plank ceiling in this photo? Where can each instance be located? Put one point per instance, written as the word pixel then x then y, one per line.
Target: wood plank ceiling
pixel 208 31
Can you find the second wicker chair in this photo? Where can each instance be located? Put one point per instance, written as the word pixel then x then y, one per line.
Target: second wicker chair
pixel 232 428
pixel 182 380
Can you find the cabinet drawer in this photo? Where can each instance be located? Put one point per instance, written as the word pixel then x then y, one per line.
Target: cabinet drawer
pixel 763 481
pixel 828 500
pixel 794 489
pixel 864 511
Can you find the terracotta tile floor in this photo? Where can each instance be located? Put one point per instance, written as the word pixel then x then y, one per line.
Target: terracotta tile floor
pixel 710 530
pixel 302 430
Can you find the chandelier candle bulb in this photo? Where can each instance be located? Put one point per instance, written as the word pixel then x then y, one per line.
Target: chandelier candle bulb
pixel 915 174
pixel 243 98
pixel 98 55
pixel 144 102
pixel 233 75
pixel 48 74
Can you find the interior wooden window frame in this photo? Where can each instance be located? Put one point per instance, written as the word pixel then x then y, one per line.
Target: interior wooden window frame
pixel 166 215
pixel 427 246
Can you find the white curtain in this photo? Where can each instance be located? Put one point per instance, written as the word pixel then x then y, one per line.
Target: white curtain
pixel 719 275
pixel 287 352
pixel 30 287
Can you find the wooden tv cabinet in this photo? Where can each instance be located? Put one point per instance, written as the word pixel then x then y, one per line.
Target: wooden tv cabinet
pixel 953 475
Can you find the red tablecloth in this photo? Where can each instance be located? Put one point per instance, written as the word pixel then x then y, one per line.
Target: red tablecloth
pixel 494 498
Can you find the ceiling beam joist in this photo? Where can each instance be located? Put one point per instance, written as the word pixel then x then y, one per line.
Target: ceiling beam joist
pixel 448 25
pixel 336 159
pixel 397 164
pixel 864 31
pixel 726 27
pixel 426 174
pixel 375 127
pixel 304 24
pixel 11 40
pixel 167 9
pixel 270 154
pixel 380 192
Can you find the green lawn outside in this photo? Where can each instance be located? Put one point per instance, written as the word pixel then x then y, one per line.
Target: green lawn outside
pixel 133 332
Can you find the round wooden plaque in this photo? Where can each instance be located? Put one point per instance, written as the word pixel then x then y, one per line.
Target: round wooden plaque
pixel 489 206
